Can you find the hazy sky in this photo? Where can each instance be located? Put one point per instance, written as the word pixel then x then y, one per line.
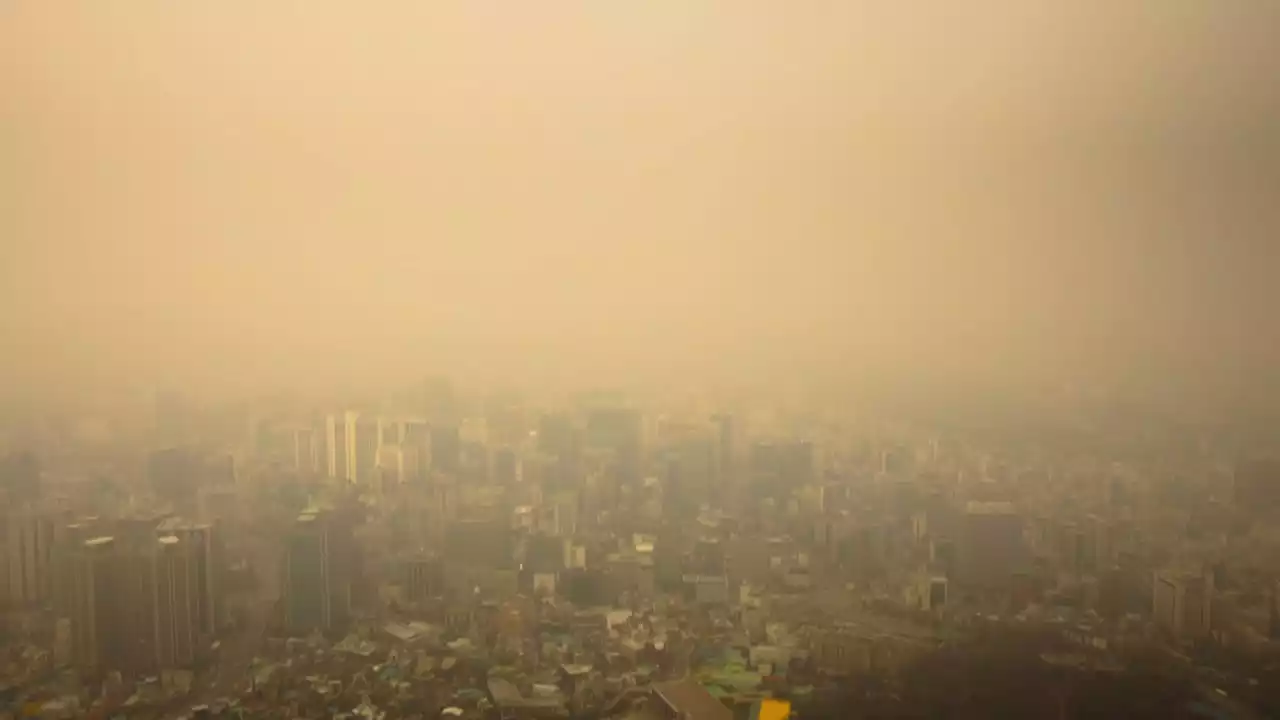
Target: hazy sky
pixel 265 190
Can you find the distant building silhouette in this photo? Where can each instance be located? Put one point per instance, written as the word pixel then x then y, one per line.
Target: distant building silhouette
pixel 28 558
pixel 20 478
pixel 316 595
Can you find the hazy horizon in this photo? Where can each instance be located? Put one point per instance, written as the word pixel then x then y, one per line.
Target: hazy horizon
pixel 244 193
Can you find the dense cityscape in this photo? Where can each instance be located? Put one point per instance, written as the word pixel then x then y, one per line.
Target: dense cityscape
pixel 445 552
pixel 639 360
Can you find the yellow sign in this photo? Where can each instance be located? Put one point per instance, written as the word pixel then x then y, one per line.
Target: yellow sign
pixel 772 709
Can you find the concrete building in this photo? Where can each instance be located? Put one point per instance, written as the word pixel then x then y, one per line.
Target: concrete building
pixel 131 604
pixel 708 589
pixel 204 546
pixel 175 617
pixel 309 576
pixel 926 592
pixel 778 467
pixel 854 651
pixel 95 632
pixel 367 439
pixel 483 543
pixel 684 700
pixel 135 606
pixel 423 578
pixel 68 544
pixel 340 446
pixel 1182 603
pixel 306 449
pixel 725 430
pixel 392 467
pixel 991 547
pixel 508 467
pixel 28 550
pixel 416 444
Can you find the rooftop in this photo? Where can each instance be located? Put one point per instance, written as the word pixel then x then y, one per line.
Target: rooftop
pixel 691 700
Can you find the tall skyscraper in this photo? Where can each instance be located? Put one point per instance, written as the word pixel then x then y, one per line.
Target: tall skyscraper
pixel 991 546
pixel 311 582
pixel 368 439
pixel 423 578
pixel 620 431
pixel 306 450
pixel 68 544
pixel 1182 603
pixel 203 546
pixel 416 442
pixel 131 604
pixel 28 547
pixel 688 476
pixel 134 601
pixel 777 468
pixel 508 467
pixel 175 618
pixel 340 443
pixel 724 433
pixel 95 632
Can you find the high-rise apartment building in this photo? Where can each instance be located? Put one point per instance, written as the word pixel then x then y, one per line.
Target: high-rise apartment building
pixel 779 467
pixel 96 635
pixel 367 441
pixel 175 616
pixel 416 441
pixel 340 443
pixel 1181 603
pixel 310 576
pixel 28 549
pixel 353 442
pixel 203 546
pixel 306 450
pixel 423 578
pixel 991 547
pixel 131 604
pixel 508 466
pixel 68 545
pixel 134 605
pixel 724 427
